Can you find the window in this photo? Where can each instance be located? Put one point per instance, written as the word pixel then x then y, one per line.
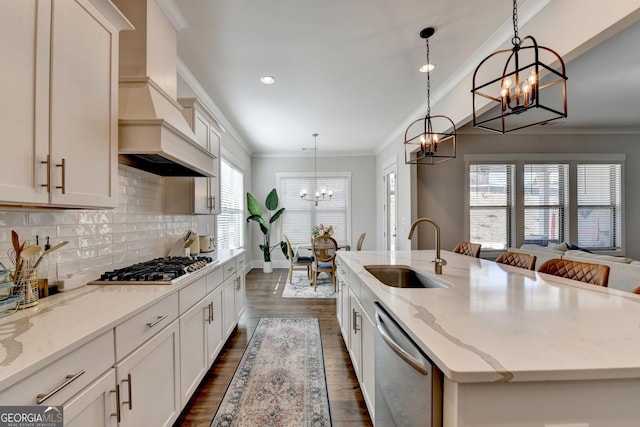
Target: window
pixel 575 199
pixel 231 217
pixel 301 215
pixel 599 206
pixel 491 205
pixel 545 203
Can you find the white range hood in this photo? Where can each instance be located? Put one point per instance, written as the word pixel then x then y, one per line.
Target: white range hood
pixel 153 133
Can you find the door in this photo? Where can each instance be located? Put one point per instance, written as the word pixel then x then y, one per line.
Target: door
pixel 390 207
pixel 193 361
pixel 149 381
pixel 96 405
pixel 228 307
pixel 214 325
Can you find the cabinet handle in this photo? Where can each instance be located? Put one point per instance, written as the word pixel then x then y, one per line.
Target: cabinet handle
pixel 213 202
pixel 237 283
pixel 130 401
pixel 48 163
pixel 63 166
pixel 68 380
pixel 117 392
pixel 210 308
pixel 158 320
pixel 355 320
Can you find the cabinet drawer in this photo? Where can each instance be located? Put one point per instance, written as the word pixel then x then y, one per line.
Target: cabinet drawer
pixel 193 293
pixel 64 377
pixel 133 332
pixel 215 279
pixel 240 264
pixel 229 269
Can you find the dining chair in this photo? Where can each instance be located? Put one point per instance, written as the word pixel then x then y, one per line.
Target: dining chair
pixel 295 260
pixel 517 259
pixel 468 248
pixel 595 274
pixel 324 250
pixel 360 240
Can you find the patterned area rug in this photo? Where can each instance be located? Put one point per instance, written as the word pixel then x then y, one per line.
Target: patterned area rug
pixel 280 381
pixel 301 288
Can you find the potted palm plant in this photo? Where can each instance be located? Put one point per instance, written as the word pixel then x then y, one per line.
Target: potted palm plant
pixel 273 213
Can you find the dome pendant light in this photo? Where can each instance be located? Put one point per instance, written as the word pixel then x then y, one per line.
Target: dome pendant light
pixel 431 139
pixel 528 84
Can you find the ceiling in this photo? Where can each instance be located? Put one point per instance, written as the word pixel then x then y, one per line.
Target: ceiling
pixel 348 70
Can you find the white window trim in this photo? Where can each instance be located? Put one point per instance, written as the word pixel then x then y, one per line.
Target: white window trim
pixel 346 174
pixel 573 159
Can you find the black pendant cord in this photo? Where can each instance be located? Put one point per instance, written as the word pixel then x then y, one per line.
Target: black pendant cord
pixel 428 81
pixel 516 39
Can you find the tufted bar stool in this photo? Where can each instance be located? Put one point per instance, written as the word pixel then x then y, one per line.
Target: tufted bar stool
pixel 517 259
pixel 595 274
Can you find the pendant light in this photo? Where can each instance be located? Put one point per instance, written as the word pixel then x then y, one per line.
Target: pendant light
pixel 431 139
pixel 322 192
pixel 528 92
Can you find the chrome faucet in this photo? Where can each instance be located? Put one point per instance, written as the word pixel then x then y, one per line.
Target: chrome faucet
pixel 439 262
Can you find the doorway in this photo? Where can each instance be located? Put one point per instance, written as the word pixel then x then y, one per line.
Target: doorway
pixel 390 206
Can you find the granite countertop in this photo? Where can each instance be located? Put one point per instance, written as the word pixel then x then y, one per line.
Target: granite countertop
pixel 497 323
pixel 32 338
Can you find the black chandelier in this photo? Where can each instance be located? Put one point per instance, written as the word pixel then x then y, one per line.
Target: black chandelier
pixel 528 84
pixel 431 139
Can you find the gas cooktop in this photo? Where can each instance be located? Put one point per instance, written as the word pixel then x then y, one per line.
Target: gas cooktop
pixel 159 271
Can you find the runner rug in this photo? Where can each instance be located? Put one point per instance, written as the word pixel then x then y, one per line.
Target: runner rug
pixel 280 380
pixel 300 286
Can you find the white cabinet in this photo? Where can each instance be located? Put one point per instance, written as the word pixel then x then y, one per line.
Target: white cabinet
pixel 96 405
pixel 214 325
pixel 228 305
pixel 149 380
pixel 193 351
pixel 240 296
pixel 357 325
pixel 189 195
pixel 59 109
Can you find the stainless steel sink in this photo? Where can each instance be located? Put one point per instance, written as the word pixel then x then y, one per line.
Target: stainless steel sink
pixel 401 276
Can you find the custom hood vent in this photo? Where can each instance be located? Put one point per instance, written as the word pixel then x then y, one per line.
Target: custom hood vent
pixel 153 134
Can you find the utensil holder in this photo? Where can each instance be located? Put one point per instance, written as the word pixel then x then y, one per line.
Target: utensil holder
pixel 26 285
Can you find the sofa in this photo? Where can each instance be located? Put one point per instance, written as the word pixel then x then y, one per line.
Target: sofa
pixel 624 273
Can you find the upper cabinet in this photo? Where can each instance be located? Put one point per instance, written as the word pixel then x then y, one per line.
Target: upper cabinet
pixel 58 118
pixel 188 195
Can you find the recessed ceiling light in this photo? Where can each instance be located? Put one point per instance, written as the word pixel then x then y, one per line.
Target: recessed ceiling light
pixel 268 80
pixel 427 67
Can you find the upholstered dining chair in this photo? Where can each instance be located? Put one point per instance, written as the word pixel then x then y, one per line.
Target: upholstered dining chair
pixel 360 240
pixel 595 274
pixel 517 259
pixel 295 260
pixel 324 250
pixel 468 248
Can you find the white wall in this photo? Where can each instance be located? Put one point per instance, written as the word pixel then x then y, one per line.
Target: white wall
pixel 441 187
pixel 363 195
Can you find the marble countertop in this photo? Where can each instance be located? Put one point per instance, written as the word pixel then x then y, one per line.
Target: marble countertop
pixel 497 323
pixel 32 338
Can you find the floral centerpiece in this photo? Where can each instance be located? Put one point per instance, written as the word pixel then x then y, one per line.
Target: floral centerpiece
pixel 322 230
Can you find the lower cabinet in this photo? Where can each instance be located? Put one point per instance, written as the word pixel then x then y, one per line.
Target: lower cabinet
pixel 149 381
pixel 228 305
pixel 214 325
pixel 358 331
pixel 96 405
pixel 193 351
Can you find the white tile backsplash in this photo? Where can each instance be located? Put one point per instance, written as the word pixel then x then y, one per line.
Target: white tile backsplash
pixel 101 240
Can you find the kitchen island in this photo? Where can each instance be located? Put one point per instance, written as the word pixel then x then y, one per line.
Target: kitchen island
pixel 517 348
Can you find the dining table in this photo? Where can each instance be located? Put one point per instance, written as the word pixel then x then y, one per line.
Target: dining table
pixel 304 249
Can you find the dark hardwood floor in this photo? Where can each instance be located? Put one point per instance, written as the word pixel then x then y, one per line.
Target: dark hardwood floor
pixel 264 300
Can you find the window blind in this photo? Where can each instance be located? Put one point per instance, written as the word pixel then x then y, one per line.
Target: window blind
pixel 231 217
pixel 302 215
pixel 545 203
pixel 599 206
pixel 491 204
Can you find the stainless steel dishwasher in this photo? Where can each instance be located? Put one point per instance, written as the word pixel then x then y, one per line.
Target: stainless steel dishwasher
pixel 408 385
